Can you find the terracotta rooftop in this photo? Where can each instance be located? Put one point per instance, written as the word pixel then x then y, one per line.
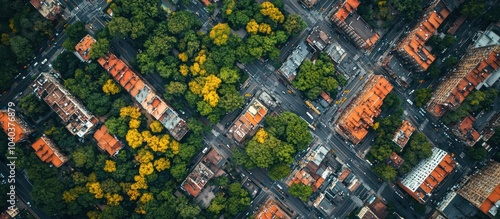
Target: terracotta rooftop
pixel 326 97
pixel 48 8
pixel 483 189
pixel 48 152
pixel 427 175
pixel 412 47
pixel 395 160
pixel 107 142
pixel 403 134
pixel 202 173
pixel 344 174
pixel 79 121
pixel 248 121
pixel 351 22
pixel 359 115
pixel 144 94
pixel 83 47
pixel 21 129
pixel 271 209
pixel 466 132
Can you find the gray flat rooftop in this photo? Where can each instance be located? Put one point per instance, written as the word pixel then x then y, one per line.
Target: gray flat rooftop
pixel 397 66
pixel 460 208
pixel 360 26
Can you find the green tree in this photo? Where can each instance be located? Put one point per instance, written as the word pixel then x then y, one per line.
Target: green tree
pixel 217 204
pixel 290 128
pixel 294 24
pixel 300 191
pixel 473 8
pixel 22 48
pixel 119 27
pixel 176 88
pixel 32 106
pixel 385 171
pixel 279 171
pixel 182 21
pixel 478 153
pixel 84 157
pixel 178 171
pixel 117 126
pixel 422 96
pixel 99 48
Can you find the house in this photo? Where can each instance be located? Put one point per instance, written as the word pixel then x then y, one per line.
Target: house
pixel 466 132
pixel 48 152
pixel 403 134
pixel 289 68
pixel 272 209
pixel 47 8
pixel 82 48
pixel 21 129
pixel 395 160
pixel 207 168
pixel 107 142
pixel 254 114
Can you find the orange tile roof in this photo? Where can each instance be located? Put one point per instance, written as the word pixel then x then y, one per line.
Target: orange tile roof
pixel 344 174
pixel 48 152
pixel 107 142
pixel 358 117
pixel 19 129
pixel 271 210
pixel 83 47
pixel 252 117
pixel 467 132
pixel 412 47
pixel 403 134
pixel 396 160
pixel 144 94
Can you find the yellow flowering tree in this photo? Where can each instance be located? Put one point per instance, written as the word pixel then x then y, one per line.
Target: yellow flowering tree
pixel 113 199
pixel 110 166
pixel 95 189
pixel 252 27
pixel 134 123
pixel 220 33
pixel 146 169
pixel 156 126
pixel 161 164
pixel 268 9
pixel 183 56
pixel 261 136
pixel 110 87
pixel 134 138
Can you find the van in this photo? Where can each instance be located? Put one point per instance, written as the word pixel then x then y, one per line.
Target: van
pixel 411 92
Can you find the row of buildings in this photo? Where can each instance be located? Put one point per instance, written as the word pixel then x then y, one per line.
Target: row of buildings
pixel 138 88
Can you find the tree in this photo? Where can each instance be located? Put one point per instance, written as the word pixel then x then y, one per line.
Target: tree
pixel 84 157
pixel 473 8
pixel 156 126
pixel 279 171
pixel 22 48
pixel 217 204
pixel 178 171
pixel 117 126
pixel 161 164
pixel 300 191
pixel 32 106
pixel 111 88
pixel 159 45
pixel 134 138
pixel 268 9
pixel 110 166
pixel 99 48
pixel 478 153
pixel 385 171
pixel 231 101
pixel 290 128
pixel 294 24
pixel 220 33
pixel 229 75
pixel 422 96
pixel 119 27
pixel 181 22
pixel 176 88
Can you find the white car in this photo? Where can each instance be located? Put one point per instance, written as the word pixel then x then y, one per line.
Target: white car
pixel 44 61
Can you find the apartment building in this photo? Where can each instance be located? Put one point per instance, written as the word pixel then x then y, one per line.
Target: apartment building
pixel 354 122
pixel 79 121
pixel 427 175
pixel 209 167
pixel 412 48
pixel 482 189
pixel 48 152
pixel 318 39
pixel 254 114
pixel 290 67
pixel 403 134
pixel 47 8
pixel 346 17
pixel 479 66
pixel 145 95
pixel 82 48
pixel 21 129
